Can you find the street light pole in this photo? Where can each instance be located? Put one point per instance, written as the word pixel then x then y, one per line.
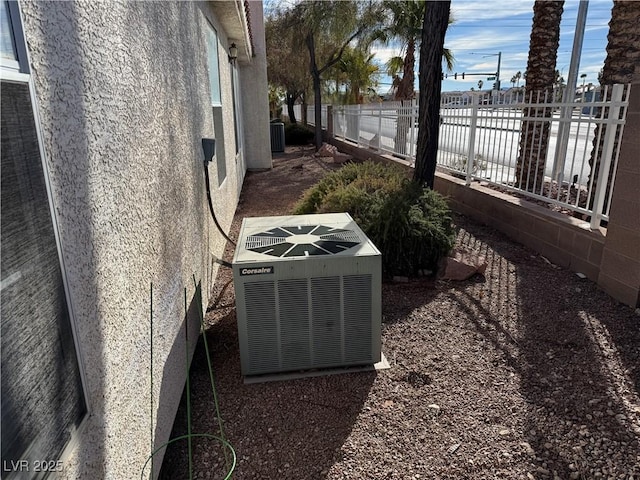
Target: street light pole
pixel 498 71
pixel 569 93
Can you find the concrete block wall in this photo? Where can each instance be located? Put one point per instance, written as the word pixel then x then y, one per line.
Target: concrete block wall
pixel 563 240
pixel 610 257
pixel 620 272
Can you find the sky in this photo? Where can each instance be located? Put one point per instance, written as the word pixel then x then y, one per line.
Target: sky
pixel 482 29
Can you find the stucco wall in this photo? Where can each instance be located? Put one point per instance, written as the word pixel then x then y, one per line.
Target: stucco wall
pixel 124 101
pixel 255 98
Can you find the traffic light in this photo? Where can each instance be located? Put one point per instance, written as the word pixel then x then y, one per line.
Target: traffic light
pixel 455 76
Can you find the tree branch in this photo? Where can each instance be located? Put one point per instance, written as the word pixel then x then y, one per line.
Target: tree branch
pixel 336 58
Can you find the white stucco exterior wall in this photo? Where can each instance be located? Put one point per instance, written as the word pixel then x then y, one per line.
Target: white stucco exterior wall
pixel 123 98
pixel 255 96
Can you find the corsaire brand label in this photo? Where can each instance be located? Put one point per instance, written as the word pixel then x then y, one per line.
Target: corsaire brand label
pixel 256 271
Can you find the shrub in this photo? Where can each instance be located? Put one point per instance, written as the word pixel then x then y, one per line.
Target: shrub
pixel 410 225
pixel 413 230
pixel 352 189
pixel 297 134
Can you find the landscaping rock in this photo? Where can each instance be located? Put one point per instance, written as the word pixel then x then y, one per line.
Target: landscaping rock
pixel 326 150
pixel 463 264
pixel 339 157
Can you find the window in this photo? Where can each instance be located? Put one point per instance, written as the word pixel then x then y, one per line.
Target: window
pixel 221 163
pixel 13 55
pixel 216 103
pixel 237 125
pixel 214 68
pixel 43 398
pixel 6 35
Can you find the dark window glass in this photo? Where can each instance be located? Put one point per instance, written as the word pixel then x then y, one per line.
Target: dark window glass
pixel 7 45
pixel 42 395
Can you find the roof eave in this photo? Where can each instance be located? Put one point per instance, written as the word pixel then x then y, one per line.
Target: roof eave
pixel 232 15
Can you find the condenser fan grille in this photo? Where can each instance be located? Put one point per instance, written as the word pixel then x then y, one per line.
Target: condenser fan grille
pixel 302 241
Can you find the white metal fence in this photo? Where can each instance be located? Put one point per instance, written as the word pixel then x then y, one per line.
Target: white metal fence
pixel 549 162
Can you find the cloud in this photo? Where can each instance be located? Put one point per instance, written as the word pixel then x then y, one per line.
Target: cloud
pixel 488 29
pixel 383 54
pixel 470 11
pixel 484 40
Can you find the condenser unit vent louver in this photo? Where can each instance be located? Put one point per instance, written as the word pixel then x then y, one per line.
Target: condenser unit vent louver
pixel 277 137
pixel 307 294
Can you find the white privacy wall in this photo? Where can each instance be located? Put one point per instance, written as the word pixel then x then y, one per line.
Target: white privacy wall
pixel 255 100
pixel 123 95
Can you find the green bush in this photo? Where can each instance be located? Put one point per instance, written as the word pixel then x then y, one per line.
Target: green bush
pixel 409 224
pixel 297 134
pixel 352 189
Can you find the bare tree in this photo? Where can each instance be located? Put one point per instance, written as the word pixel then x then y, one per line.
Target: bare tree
pixel 286 68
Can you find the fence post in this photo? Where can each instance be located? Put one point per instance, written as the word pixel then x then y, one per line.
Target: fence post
pixel 329 121
pixel 412 124
pixel 471 149
pixel 562 143
pixel 607 153
pixel 379 126
pixel 358 124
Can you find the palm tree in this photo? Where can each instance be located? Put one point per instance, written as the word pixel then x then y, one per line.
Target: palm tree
pixel 405 21
pixel 405 24
pixel 623 43
pixel 518 76
pixel 623 50
pixel 541 76
pixel 359 73
pixel 435 23
pixel 558 85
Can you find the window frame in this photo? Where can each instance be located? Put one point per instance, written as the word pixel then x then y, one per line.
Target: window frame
pixel 212 33
pixel 18 71
pixel 216 110
pixel 237 111
pixel 15 69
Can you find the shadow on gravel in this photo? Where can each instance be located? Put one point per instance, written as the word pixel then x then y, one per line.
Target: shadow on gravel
pixel 314 415
pixel 532 370
pixel 577 353
pixel 400 299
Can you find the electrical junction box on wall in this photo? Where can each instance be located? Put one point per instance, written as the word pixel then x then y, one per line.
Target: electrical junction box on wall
pixel 308 291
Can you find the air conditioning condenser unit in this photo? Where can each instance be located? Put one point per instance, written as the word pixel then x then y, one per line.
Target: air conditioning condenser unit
pixel 307 294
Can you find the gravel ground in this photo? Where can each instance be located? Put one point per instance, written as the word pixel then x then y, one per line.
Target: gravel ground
pixel 527 372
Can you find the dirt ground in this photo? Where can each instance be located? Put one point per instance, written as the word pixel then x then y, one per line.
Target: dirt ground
pixel 527 371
